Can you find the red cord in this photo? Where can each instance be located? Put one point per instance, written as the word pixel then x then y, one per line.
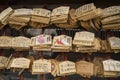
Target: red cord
pixel 21 76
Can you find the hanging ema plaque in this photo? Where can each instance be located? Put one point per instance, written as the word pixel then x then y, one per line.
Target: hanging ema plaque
pixel 111 65
pixel 3 62
pixel 114 42
pixel 67 68
pixel 41 66
pixel 5 41
pixel 20 63
pixel 21 42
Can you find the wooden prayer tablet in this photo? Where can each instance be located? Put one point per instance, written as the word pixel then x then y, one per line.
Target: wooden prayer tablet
pixel 5 41
pixel 21 42
pixel 60 14
pixel 41 66
pixel 112 10
pixel 62 43
pixel 94 48
pixel 62 40
pixel 42 40
pixel 85 68
pixel 60 10
pixel 5 13
pixel 41 15
pixel 111 68
pixel 111 65
pixel 22 12
pixel 41 12
pixel 91 15
pixel 110 19
pixel 20 63
pixel 67 68
pixel 3 62
pixel 4 16
pixel 85 8
pixel 114 42
pixel 20 18
pixel 84 36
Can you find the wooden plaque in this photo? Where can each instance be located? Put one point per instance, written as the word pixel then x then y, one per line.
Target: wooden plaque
pixel 41 12
pixel 21 42
pixel 114 42
pixel 63 10
pixel 111 65
pixel 3 62
pixel 67 67
pixel 85 8
pixel 41 66
pixel 42 40
pixel 22 12
pixel 84 36
pixel 112 10
pixel 5 13
pixel 62 40
pixel 5 41
pixel 85 68
pixel 20 63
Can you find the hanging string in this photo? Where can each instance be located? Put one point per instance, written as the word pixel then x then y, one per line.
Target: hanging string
pixel 41 55
pixel 65 57
pixel 21 76
pixel 63 78
pixel 21 32
pixel 42 77
pixel 109 33
pixel 57 58
pixel 83 57
pixel 21 53
pixel 87 56
pixel 2 52
pixel 14 53
pixel 107 56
